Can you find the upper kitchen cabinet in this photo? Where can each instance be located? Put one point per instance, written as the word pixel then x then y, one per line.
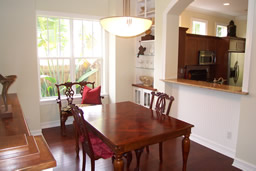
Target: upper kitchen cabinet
pixel 236 44
pixel 189 47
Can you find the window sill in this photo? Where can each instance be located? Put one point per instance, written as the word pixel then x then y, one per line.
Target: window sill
pixel 52 100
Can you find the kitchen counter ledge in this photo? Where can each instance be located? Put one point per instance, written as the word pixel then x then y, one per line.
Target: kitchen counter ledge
pixel 207 85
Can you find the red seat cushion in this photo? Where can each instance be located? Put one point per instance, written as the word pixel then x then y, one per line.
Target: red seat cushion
pixel 100 149
pixel 91 96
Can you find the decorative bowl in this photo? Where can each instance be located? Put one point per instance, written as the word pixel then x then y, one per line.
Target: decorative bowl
pixel 146 80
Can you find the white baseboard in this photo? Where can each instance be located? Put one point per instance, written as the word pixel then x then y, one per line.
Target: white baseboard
pixel 56 123
pixel 213 145
pixel 36 132
pixel 243 165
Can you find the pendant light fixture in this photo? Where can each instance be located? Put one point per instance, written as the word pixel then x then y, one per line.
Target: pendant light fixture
pixel 126 26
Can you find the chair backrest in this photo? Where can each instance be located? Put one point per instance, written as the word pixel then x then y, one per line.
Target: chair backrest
pixel 81 127
pixel 68 90
pixel 162 100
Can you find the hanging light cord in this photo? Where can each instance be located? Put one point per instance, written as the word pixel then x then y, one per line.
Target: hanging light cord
pixel 126 7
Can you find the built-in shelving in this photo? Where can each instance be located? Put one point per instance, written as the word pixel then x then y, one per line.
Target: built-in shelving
pixel 145 63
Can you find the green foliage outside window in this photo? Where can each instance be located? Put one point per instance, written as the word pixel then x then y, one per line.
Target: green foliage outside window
pixel 54 44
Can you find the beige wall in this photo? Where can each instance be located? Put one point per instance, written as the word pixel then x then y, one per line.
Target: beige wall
pixel 187 16
pixel 241 25
pixel 84 7
pixel 18 54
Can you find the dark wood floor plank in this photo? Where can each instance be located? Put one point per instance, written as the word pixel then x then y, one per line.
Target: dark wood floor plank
pixel 200 157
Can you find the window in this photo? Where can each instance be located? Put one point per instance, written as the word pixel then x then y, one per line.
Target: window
pixel 199 26
pixel 68 50
pixel 221 30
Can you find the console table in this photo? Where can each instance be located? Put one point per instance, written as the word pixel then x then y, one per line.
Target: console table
pixel 19 150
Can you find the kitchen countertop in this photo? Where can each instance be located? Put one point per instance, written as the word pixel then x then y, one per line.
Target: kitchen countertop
pixel 207 85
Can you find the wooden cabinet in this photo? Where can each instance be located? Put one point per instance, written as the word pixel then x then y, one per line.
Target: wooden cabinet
pixel 191 44
pixel 189 47
pixel 142 94
pixel 19 150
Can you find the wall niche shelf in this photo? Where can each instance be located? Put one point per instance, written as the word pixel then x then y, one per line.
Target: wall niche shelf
pixel 144 63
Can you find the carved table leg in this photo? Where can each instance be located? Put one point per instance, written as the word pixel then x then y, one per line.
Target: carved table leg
pixel 185 150
pixel 118 163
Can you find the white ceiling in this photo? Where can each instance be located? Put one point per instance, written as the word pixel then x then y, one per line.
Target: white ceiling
pixel 236 7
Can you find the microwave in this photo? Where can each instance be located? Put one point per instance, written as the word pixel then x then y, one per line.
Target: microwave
pixel 207 57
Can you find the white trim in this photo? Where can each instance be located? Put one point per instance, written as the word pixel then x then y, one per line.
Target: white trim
pixel 51 169
pixel 52 100
pixel 243 165
pixel 164 40
pixel 213 145
pixel 219 24
pixel 36 132
pixel 67 15
pixel 248 47
pixel 56 123
pixel 199 20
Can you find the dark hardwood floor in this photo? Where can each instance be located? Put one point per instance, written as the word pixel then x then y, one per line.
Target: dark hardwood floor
pixel 200 157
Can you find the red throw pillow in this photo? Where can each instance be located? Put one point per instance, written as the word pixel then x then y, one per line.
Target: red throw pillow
pixel 91 96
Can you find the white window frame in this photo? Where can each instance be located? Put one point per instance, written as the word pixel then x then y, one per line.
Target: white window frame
pixel 104 73
pixel 199 20
pixel 219 24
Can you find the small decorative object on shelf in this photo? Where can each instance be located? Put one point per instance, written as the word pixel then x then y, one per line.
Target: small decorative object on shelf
pixel 6 110
pixel 141 51
pixel 231 29
pixel 148 36
pixel 146 80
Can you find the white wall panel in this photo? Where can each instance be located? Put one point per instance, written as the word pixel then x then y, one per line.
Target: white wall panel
pixel 214 114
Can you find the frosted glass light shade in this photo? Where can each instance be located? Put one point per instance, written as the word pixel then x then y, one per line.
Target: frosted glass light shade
pixel 126 26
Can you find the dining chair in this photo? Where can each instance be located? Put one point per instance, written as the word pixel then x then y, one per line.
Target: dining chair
pixel 161 106
pixel 67 89
pixel 93 146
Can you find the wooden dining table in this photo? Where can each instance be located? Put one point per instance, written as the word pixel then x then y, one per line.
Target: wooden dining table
pixel 127 126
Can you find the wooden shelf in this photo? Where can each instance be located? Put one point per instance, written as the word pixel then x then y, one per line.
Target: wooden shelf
pixel 145 87
pixel 144 68
pixel 147 41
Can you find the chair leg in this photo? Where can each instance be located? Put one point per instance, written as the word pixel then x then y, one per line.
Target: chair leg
pixel 147 149
pixel 77 139
pixel 129 159
pixel 84 159
pixel 92 164
pixel 138 154
pixel 161 151
pixel 62 124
